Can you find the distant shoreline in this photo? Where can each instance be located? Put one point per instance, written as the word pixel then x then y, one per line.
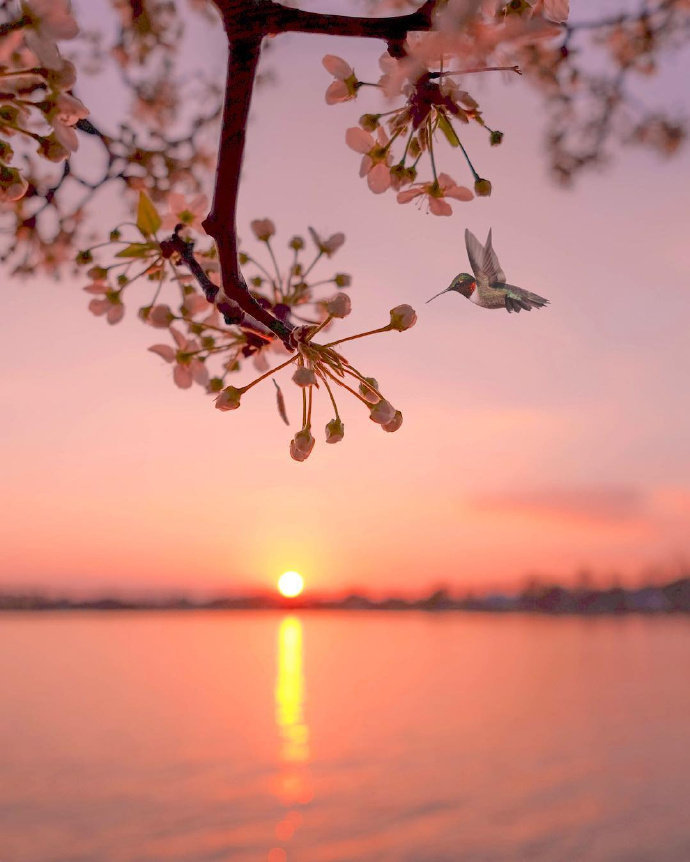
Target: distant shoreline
pixel 537 598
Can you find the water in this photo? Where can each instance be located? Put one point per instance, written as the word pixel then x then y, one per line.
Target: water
pixel 326 737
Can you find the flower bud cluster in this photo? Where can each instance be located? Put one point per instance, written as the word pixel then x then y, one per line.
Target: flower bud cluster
pixel 426 77
pixel 322 367
pixel 35 105
pixel 290 288
pixel 203 348
pixel 195 327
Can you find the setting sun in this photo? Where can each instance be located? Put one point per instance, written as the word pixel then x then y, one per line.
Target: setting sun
pixel 290 584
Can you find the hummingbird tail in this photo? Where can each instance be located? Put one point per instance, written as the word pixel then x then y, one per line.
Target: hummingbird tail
pixel 524 299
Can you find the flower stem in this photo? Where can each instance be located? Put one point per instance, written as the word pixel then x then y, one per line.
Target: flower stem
pixel 361 335
pixel 442 74
pixel 259 266
pixel 269 373
pixel 431 150
pixel 311 265
pixel 279 281
pixel 320 327
pixel 349 389
pixel 323 376
pixel 467 159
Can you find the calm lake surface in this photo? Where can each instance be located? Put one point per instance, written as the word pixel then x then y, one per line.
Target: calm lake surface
pixel 340 737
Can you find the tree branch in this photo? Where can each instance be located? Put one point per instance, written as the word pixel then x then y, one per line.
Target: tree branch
pixel 243 56
pixel 282 19
pixel 246 22
pixel 232 311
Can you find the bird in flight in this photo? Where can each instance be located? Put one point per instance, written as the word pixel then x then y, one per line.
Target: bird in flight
pixel 488 287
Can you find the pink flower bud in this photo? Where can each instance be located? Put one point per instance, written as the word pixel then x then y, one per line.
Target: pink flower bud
pixel 304 376
pixel 263 228
pixel 335 431
pixel 366 391
pixel 382 413
pixel 394 424
pixel 301 445
pixel 229 398
pixel 339 306
pixel 403 317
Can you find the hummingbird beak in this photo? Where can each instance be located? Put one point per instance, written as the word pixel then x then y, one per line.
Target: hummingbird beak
pixel 438 294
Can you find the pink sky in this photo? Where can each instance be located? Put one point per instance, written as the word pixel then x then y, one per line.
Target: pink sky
pixel 544 442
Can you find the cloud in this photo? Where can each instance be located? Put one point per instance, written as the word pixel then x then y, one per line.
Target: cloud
pixel 592 502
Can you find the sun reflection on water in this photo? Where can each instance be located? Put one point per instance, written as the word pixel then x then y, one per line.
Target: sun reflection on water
pixel 294 733
pixel 293 783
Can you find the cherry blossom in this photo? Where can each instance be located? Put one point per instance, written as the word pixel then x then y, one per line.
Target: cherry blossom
pixel 398 74
pixel 160 316
pixel 188 367
pixel 53 149
pixel 556 10
pixel 49 21
pixel 110 303
pixel 193 303
pixel 376 158
pixel 436 193
pixel 63 76
pixel 189 212
pixel 263 228
pixel 327 246
pixel 345 86
pixel 65 135
pixel 63 112
pixel 13 186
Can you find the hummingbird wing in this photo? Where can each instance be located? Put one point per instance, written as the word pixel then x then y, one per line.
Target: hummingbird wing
pixel 483 259
pixel 475 252
pixel 490 265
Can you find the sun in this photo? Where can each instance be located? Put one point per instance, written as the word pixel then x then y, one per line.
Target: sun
pixel 290 584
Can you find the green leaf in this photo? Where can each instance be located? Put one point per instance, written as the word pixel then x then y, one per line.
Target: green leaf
pixel 445 126
pixel 148 220
pixel 136 249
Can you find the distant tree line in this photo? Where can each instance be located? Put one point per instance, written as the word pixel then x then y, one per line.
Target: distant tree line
pixel 537 597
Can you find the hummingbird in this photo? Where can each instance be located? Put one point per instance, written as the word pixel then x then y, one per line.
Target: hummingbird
pixel 488 286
